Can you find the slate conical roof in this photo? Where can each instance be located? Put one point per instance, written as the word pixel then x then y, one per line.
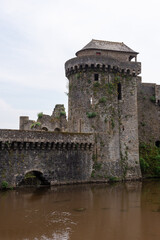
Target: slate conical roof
pixel 108 46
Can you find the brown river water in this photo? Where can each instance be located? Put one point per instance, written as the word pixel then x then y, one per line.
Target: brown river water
pixel 121 211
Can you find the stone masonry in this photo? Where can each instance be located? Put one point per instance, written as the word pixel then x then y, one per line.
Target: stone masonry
pixel 59 157
pixel 109 112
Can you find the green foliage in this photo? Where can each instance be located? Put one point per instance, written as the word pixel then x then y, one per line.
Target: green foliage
pixel 40 115
pixel 93 174
pixel 112 179
pixel 105 120
pixel 78 75
pixel 153 99
pixel 97 166
pixel 143 124
pixel 110 88
pixel 4 185
pixel 117 78
pixel 30 175
pixel 62 113
pixel 102 100
pixel 91 114
pixel 96 84
pixel 144 165
pixel 112 123
pixel 35 124
pixel 149 160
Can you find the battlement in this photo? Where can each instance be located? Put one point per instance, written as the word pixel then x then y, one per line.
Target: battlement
pixel 101 63
pixel 19 139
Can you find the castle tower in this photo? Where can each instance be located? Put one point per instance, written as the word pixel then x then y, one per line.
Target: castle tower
pixel 103 101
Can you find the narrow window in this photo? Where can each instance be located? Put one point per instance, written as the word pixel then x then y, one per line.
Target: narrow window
pixel 157 143
pixel 96 77
pixel 80 125
pixel 119 91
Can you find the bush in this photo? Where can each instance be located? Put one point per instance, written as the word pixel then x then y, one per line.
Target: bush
pixel 40 115
pixel 35 124
pixel 91 114
pixel 96 84
pixel 144 165
pixel 149 160
pixel 102 100
pixel 62 113
pixel 4 185
pixel 97 166
pixel 153 99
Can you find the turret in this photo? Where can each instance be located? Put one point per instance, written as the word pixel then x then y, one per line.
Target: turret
pixel 103 101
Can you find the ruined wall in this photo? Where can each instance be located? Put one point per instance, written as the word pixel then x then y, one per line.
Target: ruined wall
pixel 96 106
pixel 60 157
pixel 56 122
pixel 148 112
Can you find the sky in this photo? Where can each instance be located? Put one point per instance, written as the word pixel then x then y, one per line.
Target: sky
pixel 37 37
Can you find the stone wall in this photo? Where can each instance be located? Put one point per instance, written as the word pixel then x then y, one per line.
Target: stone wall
pixel 111 54
pixel 60 157
pixel 148 112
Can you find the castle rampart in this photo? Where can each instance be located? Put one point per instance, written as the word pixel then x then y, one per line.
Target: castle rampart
pixel 59 157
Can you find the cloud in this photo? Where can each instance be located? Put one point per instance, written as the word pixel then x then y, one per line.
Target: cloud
pixel 38 36
pixel 9 116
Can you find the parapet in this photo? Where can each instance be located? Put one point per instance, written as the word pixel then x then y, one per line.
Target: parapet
pixel 101 63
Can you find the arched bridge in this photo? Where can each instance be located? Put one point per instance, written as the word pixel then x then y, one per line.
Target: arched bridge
pixel 54 157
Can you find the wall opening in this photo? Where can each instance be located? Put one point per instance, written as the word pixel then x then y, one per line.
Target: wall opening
pixel 57 130
pixel 34 178
pixel 157 143
pixel 119 90
pixel 45 129
pixel 96 77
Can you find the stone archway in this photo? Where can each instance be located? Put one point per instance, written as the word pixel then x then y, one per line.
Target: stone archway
pixel 33 178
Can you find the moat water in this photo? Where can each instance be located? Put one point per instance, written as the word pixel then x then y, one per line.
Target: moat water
pixel 122 211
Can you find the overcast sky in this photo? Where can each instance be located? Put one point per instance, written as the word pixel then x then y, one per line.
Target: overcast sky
pixel 38 36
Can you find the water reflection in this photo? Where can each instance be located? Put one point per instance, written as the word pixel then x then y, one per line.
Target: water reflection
pixel 127 211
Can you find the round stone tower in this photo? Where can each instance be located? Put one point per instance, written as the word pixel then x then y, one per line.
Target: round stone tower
pixel 103 101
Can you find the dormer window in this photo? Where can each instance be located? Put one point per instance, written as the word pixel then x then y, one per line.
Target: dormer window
pixel 98 53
